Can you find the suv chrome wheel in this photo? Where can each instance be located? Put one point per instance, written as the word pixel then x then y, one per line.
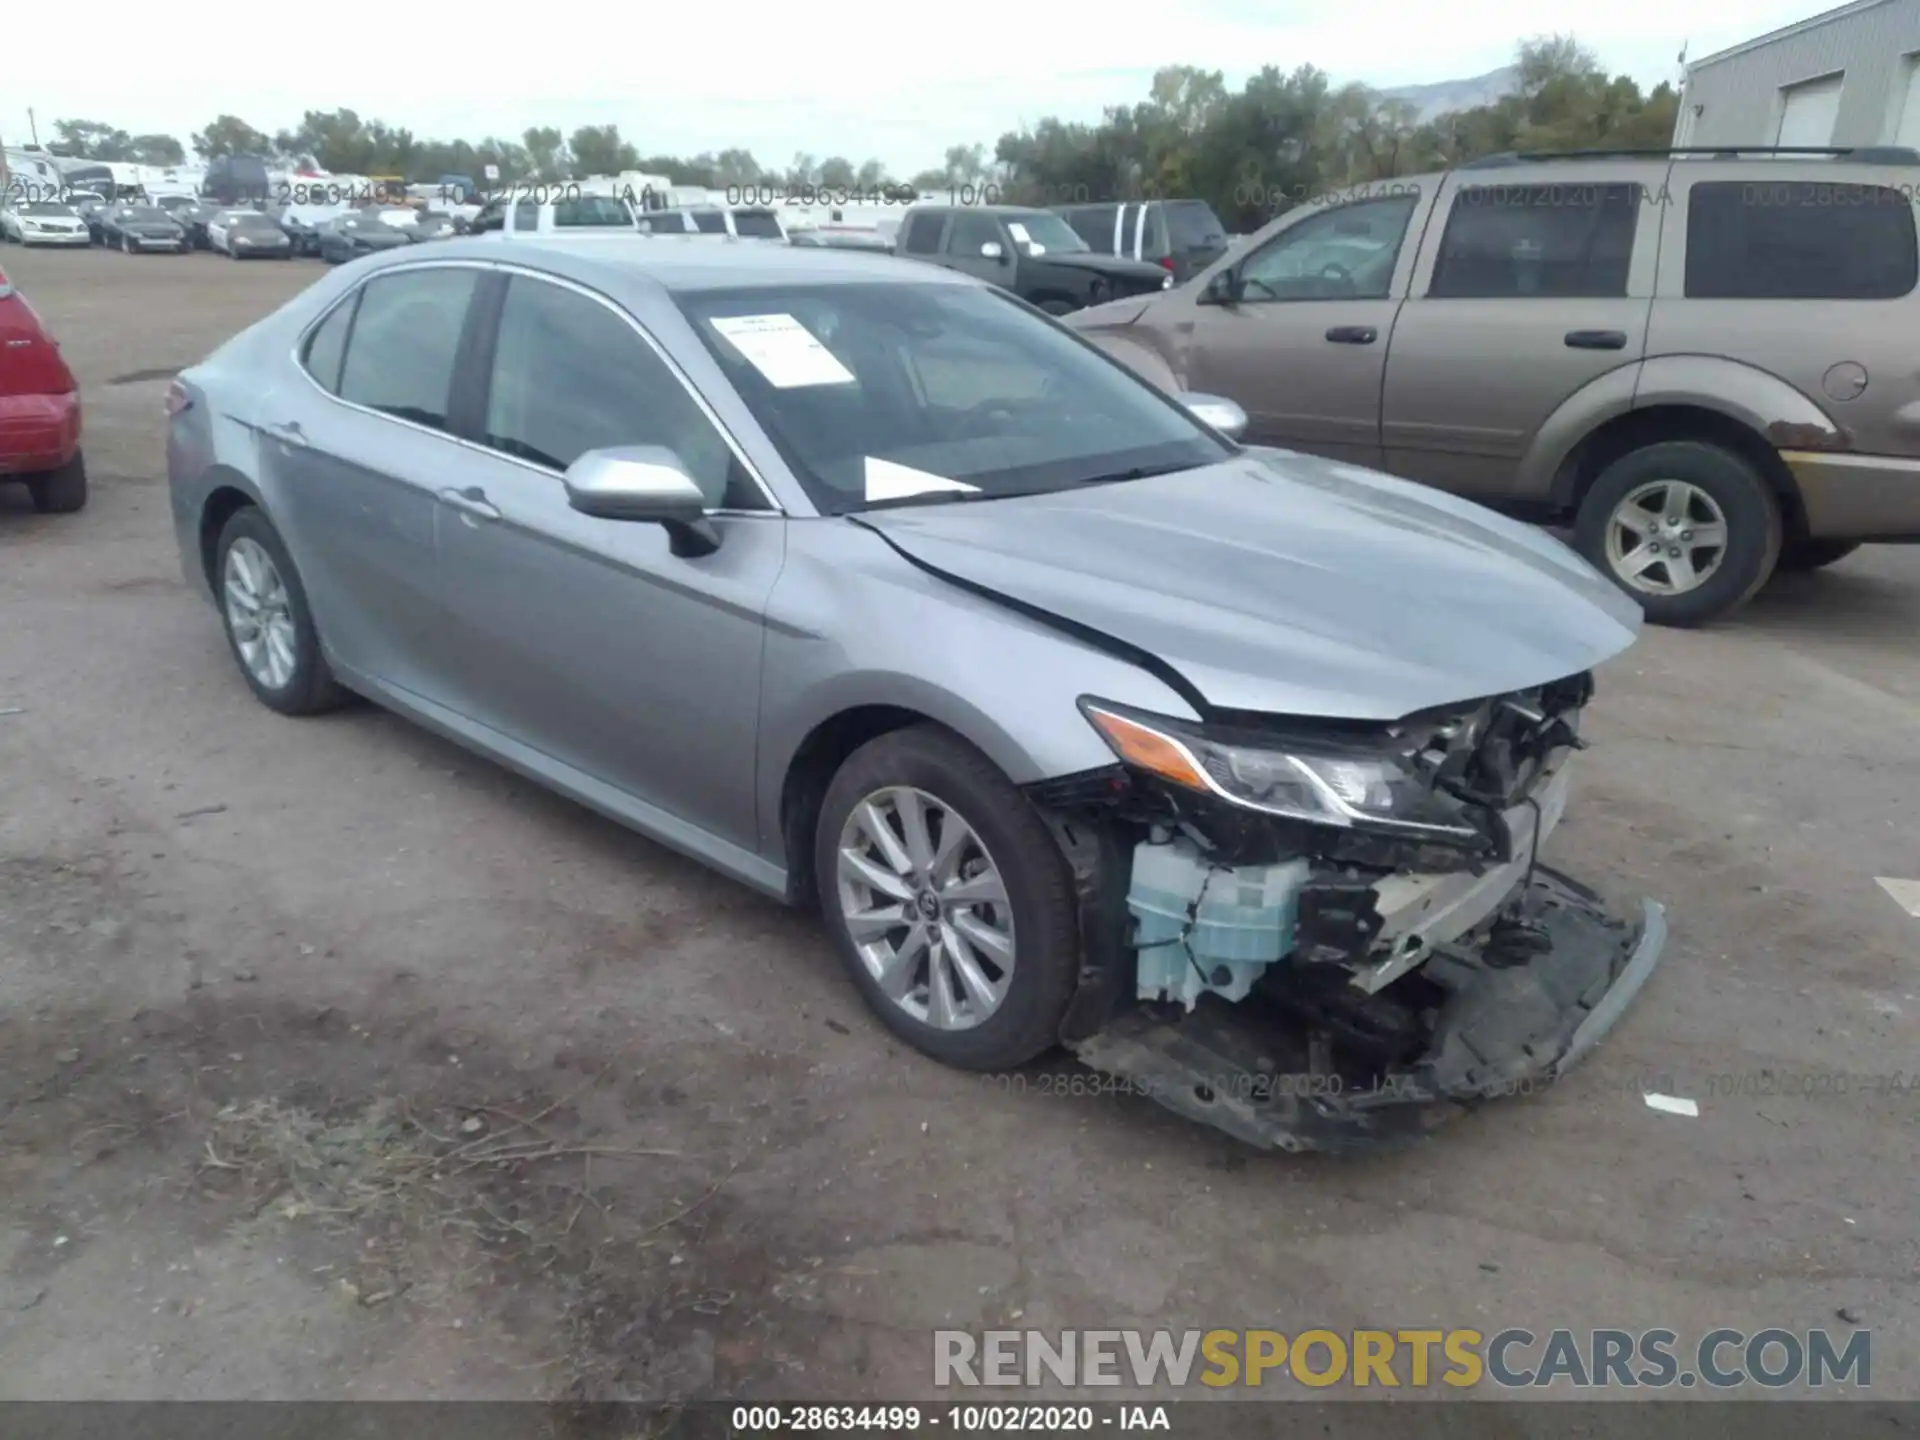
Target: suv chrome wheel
pixel 259 613
pixel 1666 537
pixel 926 907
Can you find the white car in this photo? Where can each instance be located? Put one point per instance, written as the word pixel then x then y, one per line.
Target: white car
pixel 531 213
pixel 220 229
pixel 43 222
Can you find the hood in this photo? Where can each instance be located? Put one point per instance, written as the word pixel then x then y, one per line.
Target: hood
pixel 1288 585
pixel 1118 266
pixel 1109 314
pixel 380 242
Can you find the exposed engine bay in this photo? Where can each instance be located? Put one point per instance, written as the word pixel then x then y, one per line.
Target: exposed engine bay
pixel 1326 935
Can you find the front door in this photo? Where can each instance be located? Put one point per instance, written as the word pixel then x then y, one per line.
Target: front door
pixel 1534 291
pixel 969 235
pixel 588 640
pixel 1301 341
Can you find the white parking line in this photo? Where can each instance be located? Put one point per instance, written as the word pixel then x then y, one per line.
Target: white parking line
pixel 1905 893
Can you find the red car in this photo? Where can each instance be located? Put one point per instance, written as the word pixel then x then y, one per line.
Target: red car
pixel 39 410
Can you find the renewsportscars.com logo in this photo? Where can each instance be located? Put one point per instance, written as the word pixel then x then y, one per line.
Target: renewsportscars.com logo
pixel 1394 1359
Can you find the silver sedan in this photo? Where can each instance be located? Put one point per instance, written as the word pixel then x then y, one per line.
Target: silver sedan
pixel 876 589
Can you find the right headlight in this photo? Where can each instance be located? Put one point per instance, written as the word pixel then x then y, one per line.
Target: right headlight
pixel 1320 781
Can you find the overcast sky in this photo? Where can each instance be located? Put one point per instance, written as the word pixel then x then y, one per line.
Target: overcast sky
pixel 861 78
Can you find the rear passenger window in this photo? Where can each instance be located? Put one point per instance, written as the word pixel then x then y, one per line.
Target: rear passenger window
pixel 1093 224
pixel 526 215
pixel 327 345
pixel 571 375
pixel 709 222
pixel 1512 242
pixel 922 234
pixel 406 342
pixel 1791 240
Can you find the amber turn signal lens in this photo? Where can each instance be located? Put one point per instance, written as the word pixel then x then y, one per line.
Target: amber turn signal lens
pixel 1148 749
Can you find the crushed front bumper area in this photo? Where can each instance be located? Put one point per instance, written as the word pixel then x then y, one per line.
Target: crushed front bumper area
pixel 1508 1025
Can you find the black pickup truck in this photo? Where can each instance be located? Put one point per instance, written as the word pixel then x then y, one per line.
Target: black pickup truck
pixel 1032 252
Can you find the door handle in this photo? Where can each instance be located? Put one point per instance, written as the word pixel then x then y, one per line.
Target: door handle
pixel 1353 334
pixel 470 501
pixel 288 430
pixel 1596 339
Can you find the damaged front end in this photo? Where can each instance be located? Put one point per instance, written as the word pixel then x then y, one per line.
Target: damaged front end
pixel 1328 936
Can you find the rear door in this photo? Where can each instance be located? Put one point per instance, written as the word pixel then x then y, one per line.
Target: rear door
pixel 1304 346
pixel 1533 284
pixel 353 454
pixel 1812 280
pixel 1194 238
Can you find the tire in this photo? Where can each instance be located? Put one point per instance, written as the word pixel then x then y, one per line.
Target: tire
pixel 1798 556
pixel 1719 480
pixel 1058 307
pixel 62 491
pixel 126 244
pixel 1013 840
pixel 309 687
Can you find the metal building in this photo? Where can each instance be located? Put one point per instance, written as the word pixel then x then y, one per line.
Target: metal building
pixel 1848 77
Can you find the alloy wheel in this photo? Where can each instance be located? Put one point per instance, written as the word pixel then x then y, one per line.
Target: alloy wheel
pixel 1666 537
pixel 259 613
pixel 927 908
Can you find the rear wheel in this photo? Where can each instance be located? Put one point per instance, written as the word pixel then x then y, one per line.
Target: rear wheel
pixel 1688 529
pixel 948 900
pixel 268 621
pixel 1800 555
pixel 62 491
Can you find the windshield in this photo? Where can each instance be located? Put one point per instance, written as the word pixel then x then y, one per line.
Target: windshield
pixel 253 222
pixel 584 211
pixel 1041 232
pixel 906 392
pixel 145 214
pixel 1194 224
pixel 46 207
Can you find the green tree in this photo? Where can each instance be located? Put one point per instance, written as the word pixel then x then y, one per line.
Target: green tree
pixel 599 150
pixel 157 150
pixel 836 172
pixel 90 140
pixel 230 135
pixel 547 157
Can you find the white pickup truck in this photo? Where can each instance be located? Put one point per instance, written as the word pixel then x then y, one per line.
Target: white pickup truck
pixel 543 210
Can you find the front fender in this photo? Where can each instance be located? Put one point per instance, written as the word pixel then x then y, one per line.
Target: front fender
pixel 852 623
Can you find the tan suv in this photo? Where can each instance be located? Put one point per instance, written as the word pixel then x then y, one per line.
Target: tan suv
pixel 1705 361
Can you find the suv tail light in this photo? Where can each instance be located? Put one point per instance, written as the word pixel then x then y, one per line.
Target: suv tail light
pixel 1166 262
pixel 177 398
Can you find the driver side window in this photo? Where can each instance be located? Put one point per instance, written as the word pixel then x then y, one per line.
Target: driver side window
pixel 1346 253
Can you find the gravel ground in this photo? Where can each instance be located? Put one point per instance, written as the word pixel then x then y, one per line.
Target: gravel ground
pixel 336 1062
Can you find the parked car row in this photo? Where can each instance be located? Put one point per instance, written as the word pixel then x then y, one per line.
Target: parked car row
pixel 179 223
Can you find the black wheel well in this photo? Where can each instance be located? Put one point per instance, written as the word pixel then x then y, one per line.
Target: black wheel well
pixel 222 505
pixel 1657 423
pixel 811 771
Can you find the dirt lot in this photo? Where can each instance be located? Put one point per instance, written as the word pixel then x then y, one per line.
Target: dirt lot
pixel 335 1062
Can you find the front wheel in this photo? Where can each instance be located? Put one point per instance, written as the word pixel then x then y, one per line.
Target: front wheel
pixel 948 900
pixel 268 621
pixel 1688 529
pixel 1802 555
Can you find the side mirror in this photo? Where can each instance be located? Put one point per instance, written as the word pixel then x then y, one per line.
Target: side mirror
pixel 993 251
pixel 1222 289
pixel 1217 412
pixel 644 483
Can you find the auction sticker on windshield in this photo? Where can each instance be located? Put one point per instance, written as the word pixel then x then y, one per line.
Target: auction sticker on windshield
pixel 783 350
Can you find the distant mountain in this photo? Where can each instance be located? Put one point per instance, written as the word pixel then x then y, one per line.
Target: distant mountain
pixel 1443 97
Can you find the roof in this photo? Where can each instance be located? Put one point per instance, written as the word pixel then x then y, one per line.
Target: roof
pixel 704 262
pixel 1812 22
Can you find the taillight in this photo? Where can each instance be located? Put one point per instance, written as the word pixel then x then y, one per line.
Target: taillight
pixel 1166 262
pixel 6 286
pixel 177 398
